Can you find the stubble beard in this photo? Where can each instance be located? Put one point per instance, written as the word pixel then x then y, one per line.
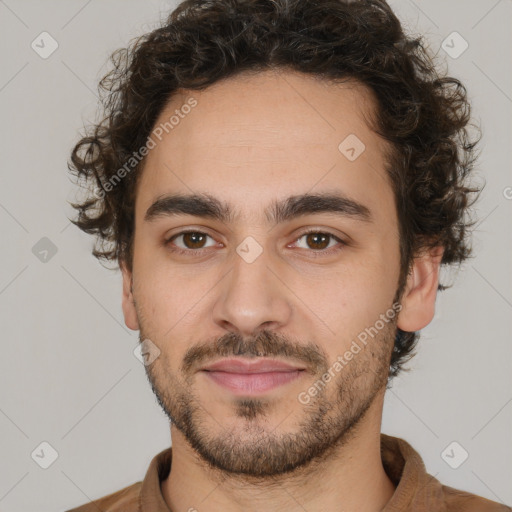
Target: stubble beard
pixel 253 447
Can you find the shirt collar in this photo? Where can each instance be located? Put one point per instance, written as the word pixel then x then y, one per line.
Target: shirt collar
pixel 401 462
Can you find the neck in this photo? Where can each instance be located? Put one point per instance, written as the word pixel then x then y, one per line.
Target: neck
pixel 350 478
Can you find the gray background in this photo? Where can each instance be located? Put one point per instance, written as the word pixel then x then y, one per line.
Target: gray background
pixel 69 376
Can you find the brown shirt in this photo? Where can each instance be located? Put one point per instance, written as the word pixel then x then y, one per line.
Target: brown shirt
pixel 415 491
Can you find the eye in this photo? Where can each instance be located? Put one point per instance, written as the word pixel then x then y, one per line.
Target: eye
pixel 193 241
pixel 319 241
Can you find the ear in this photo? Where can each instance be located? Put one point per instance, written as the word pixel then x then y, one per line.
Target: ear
pixel 129 312
pixel 419 297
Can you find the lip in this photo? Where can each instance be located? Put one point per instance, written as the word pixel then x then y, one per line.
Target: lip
pixel 249 377
pixel 239 365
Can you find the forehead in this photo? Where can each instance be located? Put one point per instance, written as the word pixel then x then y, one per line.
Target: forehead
pixel 266 135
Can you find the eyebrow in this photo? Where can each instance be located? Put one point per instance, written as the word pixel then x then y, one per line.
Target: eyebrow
pixel 283 210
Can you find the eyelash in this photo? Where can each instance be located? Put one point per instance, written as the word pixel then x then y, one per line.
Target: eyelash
pixel 199 252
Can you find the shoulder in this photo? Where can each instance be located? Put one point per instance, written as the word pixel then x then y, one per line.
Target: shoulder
pixel 125 500
pixel 462 501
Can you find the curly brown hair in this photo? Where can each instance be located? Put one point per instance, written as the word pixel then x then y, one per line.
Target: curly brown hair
pixel 424 114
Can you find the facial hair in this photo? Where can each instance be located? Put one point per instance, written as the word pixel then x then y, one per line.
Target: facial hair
pixel 327 422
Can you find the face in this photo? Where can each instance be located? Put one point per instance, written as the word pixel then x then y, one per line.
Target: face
pixel 256 308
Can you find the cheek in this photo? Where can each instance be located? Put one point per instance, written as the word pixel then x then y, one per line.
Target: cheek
pixel 171 303
pixel 350 299
pixel 338 300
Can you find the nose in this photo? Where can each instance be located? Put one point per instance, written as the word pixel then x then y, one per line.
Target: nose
pixel 252 297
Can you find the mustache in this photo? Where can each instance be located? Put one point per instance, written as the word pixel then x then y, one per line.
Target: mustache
pixel 266 344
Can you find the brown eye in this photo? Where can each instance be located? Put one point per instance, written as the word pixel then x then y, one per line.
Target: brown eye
pixel 319 241
pixel 194 240
pixel 191 241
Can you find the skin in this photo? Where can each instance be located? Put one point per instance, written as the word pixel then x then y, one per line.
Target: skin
pixel 251 140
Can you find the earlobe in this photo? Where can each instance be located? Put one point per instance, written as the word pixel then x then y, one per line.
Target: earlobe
pixel 419 297
pixel 128 303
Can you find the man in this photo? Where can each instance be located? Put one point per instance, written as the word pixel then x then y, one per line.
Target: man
pixel 280 182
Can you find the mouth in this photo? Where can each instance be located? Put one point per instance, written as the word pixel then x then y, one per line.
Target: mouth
pixel 244 377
